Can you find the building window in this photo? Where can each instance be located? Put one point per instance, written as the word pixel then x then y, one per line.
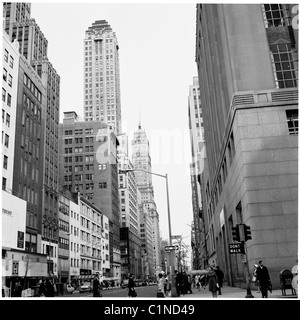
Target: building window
pixel 9 100
pixel 276 15
pixel 9 80
pixel 283 65
pixel 6 55
pixel 15 268
pixel 292 120
pixel 6 141
pixel 11 62
pixel 102 185
pixel 4 74
pixel 4 181
pixel 3 94
pixel 8 120
pixel 5 161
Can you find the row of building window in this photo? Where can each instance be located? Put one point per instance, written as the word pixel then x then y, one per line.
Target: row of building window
pixel 7 77
pixel 5 118
pixel 7 57
pixel 276 15
pixel 6 98
pixel 32 87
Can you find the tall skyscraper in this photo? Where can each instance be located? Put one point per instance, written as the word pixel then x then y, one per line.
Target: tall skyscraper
pixel 141 160
pixel 35 172
pixel 196 168
pixel 129 198
pixel 248 76
pixel 102 76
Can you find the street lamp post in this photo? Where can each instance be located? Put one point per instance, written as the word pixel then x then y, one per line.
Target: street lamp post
pixel 172 252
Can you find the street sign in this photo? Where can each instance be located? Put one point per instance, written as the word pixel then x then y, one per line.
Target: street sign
pixel 170 248
pixel 243 258
pixel 236 248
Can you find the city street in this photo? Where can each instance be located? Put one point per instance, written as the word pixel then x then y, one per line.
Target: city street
pixel 150 291
pixel 144 291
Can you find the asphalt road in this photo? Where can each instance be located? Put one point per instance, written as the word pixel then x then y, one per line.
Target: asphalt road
pixel 142 292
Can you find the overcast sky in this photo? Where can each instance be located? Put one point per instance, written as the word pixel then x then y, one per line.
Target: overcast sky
pixel 157 66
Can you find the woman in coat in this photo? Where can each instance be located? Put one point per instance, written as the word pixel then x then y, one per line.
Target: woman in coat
pixel 161 284
pixel 131 285
pixel 212 281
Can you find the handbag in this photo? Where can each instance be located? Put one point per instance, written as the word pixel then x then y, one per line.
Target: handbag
pixel 160 294
pixel 270 287
pixel 132 292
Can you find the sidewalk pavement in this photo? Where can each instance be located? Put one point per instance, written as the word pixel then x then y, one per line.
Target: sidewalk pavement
pixel 235 293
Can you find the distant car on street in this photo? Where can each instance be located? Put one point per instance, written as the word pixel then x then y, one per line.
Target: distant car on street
pixel 70 289
pixel 85 287
pixel 124 283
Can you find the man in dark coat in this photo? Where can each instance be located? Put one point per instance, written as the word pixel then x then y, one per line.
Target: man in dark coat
pixel 49 288
pixel 220 276
pixel 18 290
pixel 131 285
pixel 178 280
pixel 264 279
pixel 96 286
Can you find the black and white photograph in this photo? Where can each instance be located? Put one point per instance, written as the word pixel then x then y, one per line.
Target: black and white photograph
pixel 149 153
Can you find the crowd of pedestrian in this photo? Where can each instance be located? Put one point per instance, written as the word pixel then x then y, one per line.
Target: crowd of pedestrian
pixel 213 278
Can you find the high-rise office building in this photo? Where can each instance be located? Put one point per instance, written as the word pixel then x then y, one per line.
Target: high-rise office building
pixel 11 58
pixel 248 76
pixel 129 196
pixel 88 164
pixel 102 100
pixel 35 173
pixel 196 168
pixel 142 163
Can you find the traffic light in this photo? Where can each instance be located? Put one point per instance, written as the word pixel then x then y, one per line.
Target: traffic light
pixel 247 232
pixel 235 233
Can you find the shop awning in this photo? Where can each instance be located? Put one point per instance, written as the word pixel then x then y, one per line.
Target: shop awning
pixel 85 277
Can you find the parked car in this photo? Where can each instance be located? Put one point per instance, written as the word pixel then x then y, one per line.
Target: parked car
pixel 85 287
pixel 70 289
pixel 124 283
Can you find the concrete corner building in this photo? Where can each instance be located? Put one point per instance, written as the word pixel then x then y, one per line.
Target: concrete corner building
pixel 247 57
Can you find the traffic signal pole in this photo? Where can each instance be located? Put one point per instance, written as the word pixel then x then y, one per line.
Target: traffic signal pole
pixel 247 274
pixel 242 233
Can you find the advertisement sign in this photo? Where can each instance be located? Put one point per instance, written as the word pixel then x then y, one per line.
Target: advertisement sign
pixel 13 221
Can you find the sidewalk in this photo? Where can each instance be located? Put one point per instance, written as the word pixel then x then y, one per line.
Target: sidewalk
pixel 235 293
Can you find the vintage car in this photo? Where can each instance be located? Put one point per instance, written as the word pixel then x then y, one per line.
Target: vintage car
pixel 85 287
pixel 70 289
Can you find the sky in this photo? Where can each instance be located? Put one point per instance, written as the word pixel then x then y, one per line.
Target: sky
pixel 157 66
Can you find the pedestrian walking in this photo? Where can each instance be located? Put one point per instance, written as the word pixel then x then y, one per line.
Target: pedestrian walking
pixel 197 281
pixel 131 285
pixel 96 286
pixel 42 288
pixel 161 286
pixel 184 283
pixel 167 284
pixel 220 277
pixel 264 279
pixel 254 277
pixel 212 281
pixel 49 288
pixel 202 281
pixel 189 284
pixel 178 282
pixel 17 290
